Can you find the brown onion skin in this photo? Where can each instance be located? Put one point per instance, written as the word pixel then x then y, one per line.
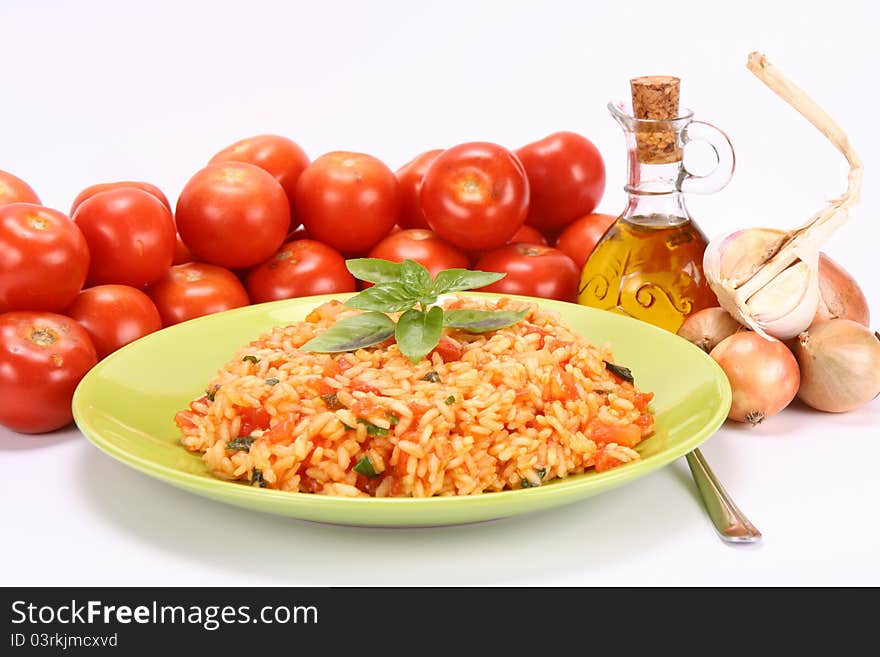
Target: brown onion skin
pixel 839 295
pixel 763 374
pixel 840 365
pixel 707 327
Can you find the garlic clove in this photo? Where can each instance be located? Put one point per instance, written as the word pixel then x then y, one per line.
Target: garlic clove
pixel 786 305
pixel 742 253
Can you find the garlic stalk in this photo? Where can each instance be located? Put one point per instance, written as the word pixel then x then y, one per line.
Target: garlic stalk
pixel 769 279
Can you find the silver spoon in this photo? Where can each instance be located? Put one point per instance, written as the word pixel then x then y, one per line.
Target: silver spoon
pixel 730 523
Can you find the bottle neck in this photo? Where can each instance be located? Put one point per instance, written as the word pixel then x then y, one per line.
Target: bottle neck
pixel 653 196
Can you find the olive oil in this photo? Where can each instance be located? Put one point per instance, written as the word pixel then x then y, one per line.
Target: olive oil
pixel 650 268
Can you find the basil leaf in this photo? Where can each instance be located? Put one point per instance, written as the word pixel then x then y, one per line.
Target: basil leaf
pixel 372 429
pixel 353 333
pixel 415 278
pixel 374 270
pixel 620 371
pixel 482 321
pixel 418 332
pixel 332 402
pixel 450 280
pixel 365 467
pixel 240 444
pixel 384 297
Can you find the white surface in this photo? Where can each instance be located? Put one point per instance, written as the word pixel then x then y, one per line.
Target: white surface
pixel 109 91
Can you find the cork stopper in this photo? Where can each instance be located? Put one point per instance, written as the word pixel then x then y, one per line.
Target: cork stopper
pixel 655 97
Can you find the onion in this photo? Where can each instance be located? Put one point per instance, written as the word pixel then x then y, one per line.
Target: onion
pixel 763 375
pixel 707 327
pixel 840 365
pixel 840 295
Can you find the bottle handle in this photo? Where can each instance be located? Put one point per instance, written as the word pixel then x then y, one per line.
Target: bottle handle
pixel 716 179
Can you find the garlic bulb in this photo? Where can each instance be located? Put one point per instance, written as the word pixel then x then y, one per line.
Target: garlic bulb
pixel 769 279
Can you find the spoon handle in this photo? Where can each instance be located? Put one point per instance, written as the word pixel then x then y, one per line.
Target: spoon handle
pixel 731 524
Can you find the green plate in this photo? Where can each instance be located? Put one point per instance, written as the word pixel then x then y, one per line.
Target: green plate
pixel 126 405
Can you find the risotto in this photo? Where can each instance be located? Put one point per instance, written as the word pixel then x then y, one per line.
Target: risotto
pixel 509 409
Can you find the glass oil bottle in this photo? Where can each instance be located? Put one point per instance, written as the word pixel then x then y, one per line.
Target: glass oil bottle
pixel 649 264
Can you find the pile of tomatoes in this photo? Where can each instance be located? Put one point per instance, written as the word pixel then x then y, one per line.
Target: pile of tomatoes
pixel 260 223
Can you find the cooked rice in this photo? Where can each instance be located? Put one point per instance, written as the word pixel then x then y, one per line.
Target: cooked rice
pixel 512 409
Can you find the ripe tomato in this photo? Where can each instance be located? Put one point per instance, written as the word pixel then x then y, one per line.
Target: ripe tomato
pixel 300 269
pixel 15 190
pixel 196 289
pixel 475 195
pixel 566 177
pixel 582 235
pixel 114 315
pixel 532 270
pixel 182 254
pixel 277 155
pixel 43 258
pixel 130 236
pixel 409 178
pixel 43 356
pixel 348 201
pixel 233 214
pixel 527 235
pixel 424 247
pixel 89 192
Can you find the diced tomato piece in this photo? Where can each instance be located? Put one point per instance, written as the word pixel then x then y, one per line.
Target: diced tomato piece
pixel 283 429
pixel 628 435
pixel 183 419
pixel 307 484
pixel 201 401
pixel 447 350
pixel 363 408
pixel 400 466
pixel 606 461
pixel 331 369
pixel 642 399
pixel 252 419
pixel 363 386
pixel 645 420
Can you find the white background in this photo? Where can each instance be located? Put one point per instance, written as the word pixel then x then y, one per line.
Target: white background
pixel 116 90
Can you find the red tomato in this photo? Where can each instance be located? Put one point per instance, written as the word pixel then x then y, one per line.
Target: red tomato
pixel 277 155
pixel 15 190
pixel 409 178
pixel 475 195
pixel 89 192
pixel 130 236
pixel 182 254
pixel 527 235
pixel 299 269
pixel 424 247
pixel 196 289
pixel 566 177
pixel 43 356
pixel 114 315
pixel 582 235
pixel 349 201
pixel 233 214
pixel 43 258
pixel 532 270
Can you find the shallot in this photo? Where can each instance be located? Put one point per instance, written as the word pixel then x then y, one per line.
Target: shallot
pixel 840 365
pixel 763 375
pixel 707 327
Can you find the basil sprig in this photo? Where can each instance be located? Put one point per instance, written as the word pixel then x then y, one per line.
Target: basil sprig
pixel 407 287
